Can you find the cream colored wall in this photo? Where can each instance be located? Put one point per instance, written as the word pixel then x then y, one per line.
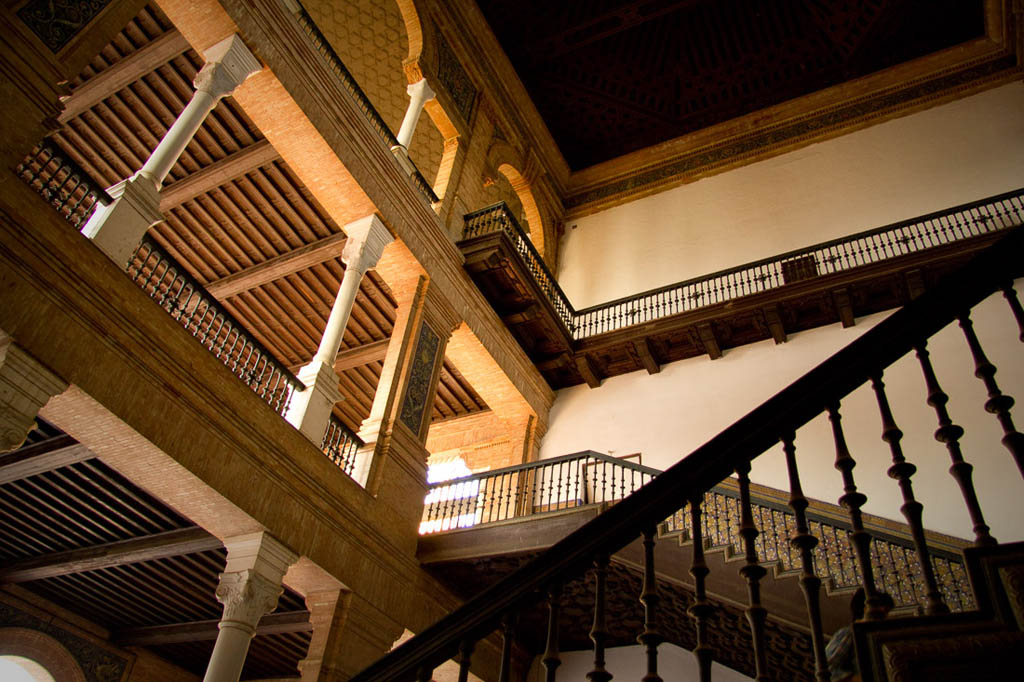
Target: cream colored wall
pixel 951 154
pixel 948 155
pixel 369 37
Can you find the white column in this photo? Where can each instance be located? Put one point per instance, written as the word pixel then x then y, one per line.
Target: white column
pixel 118 227
pixel 249 588
pixel 310 409
pixel 25 386
pixel 419 94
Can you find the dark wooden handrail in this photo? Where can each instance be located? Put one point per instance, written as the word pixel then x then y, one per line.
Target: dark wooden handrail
pixel 746 439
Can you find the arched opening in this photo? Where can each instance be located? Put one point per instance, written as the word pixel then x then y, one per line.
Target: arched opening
pixel 21 669
pixel 36 657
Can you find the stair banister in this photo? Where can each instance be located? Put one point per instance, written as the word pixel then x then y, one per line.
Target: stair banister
pixel 747 438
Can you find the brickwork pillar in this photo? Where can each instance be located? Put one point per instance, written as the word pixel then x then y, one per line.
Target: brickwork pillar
pixel 25 386
pixel 393 464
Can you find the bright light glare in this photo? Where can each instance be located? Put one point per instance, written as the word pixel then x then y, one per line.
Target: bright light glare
pixel 16 669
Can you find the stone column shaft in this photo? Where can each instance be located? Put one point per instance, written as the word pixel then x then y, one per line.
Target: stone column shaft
pixel 249 588
pixel 311 408
pixel 118 227
pixel 419 94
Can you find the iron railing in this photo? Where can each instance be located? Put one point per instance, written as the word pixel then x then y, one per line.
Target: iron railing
pixel 893 561
pixel 838 255
pixel 170 285
pixel 821 391
pixel 498 218
pixel 323 46
pixel 556 484
pixel 340 445
pixel 62 182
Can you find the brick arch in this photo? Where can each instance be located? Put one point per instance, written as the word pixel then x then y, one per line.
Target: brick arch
pixel 503 158
pixel 44 650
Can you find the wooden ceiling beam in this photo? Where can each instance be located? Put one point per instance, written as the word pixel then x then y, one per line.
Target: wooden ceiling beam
pixel 301 258
pixel 157 546
pixel 206 630
pixel 123 73
pixel 362 355
pixel 233 166
pixel 51 454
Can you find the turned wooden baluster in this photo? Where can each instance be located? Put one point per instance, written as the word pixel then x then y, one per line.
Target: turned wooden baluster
pixel 465 659
pixel 997 403
pixel 701 609
pixel 599 631
pixel 852 500
pixel 902 470
pixel 752 571
pixel 950 433
pixel 551 658
pixel 508 624
pixel 650 638
pixel 1018 312
pixel 810 583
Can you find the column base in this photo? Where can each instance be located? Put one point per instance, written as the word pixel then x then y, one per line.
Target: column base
pixel 118 227
pixel 310 410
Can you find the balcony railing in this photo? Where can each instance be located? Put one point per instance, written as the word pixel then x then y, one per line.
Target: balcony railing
pixel 349 83
pixel 170 285
pixel 839 255
pixel 67 187
pixel 893 558
pixel 822 391
pixel 592 478
pixel 340 445
pixel 556 484
pixel 498 218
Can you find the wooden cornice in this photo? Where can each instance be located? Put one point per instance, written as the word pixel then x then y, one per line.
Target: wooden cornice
pixel 904 89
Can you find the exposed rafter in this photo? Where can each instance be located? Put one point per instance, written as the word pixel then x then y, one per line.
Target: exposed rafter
pixel 363 355
pixel 230 167
pixel 206 630
pixel 294 261
pixel 42 457
pixel 123 73
pixel 148 548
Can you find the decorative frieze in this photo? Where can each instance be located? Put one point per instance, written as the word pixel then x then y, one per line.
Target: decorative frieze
pixel 418 390
pixel 56 22
pixel 453 77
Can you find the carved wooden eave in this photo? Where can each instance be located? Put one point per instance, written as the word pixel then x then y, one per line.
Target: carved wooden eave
pixel 811 302
pixel 951 74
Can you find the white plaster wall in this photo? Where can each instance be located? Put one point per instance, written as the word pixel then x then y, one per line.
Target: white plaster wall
pixel 630 663
pixel 668 415
pixel 947 155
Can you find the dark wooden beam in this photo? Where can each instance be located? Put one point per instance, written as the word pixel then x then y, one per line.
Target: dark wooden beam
pixel 588 370
pixel 774 323
pixel 123 73
pixel 51 454
pixel 707 336
pixel 363 355
pixel 158 546
pixel 915 283
pixel 206 630
pixel 233 166
pixel 558 362
pixel 841 297
pixel 642 348
pixel 294 261
pixel 527 314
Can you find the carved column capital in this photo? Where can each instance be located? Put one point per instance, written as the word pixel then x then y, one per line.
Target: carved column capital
pixel 228 64
pixel 367 238
pixel 247 596
pixel 25 386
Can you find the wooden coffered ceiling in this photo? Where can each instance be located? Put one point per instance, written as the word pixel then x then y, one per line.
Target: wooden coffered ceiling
pixel 237 217
pixel 613 76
